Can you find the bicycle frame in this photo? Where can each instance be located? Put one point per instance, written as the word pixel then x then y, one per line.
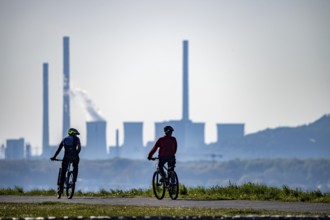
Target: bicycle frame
pixel 68 184
pixel 170 182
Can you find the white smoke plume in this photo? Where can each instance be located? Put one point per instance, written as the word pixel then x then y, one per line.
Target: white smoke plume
pixel 80 95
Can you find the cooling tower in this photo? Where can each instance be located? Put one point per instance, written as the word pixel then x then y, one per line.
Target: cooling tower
pixel 133 141
pixel 96 140
pixel 66 85
pixel 133 134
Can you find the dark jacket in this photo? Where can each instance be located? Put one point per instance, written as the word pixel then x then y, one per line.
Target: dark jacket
pixel 167 146
pixel 72 147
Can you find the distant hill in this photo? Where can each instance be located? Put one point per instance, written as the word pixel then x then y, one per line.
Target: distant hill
pixel 305 141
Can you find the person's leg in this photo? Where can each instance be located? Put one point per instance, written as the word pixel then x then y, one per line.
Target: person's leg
pixel 161 163
pixel 171 163
pixel 75 169
pixel 65 164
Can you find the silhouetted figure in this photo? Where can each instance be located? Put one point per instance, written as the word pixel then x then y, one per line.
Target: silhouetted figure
pixel 72 148
pixel 167 148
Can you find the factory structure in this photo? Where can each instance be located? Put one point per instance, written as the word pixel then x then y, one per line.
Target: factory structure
pixel 190 135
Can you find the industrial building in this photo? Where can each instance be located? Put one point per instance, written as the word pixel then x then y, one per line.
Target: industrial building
pixel 190 135
pixel 96 146
pixel 15 149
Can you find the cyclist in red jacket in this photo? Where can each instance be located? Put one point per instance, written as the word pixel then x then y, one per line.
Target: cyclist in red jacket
pixel 167 148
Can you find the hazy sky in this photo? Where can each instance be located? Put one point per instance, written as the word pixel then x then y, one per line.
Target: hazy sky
pixel 262 63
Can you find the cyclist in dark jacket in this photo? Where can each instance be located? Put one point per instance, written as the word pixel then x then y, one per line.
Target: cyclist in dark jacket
pixel 72 148
pixel 167 149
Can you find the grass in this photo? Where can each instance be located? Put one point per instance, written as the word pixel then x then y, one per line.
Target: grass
pixel 248 191
pixel 60 210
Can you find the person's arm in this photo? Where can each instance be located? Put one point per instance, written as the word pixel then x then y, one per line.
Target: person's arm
pixel 176 146
pixel 153 150
pixel 151 153
pixel 58 150
pixel 78 146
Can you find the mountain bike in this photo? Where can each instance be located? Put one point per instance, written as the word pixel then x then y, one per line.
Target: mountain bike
pixel 169 182
pixel 69 184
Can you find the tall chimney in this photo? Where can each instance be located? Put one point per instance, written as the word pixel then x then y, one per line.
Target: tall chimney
pixel 45 120
pixel 185 99
pixel 117 138
pixel 66 85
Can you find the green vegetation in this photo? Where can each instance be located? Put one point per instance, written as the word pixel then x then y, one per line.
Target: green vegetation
pixel 248 191
pixel 56 209
pixel 20 191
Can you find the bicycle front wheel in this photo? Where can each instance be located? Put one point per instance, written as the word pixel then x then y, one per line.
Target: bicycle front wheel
pixel 173 188
pixel 158 187
pixel 70 186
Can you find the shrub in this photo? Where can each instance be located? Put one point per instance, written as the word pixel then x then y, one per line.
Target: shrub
pixel 183 190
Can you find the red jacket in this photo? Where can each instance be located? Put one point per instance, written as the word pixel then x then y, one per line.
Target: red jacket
pixel 167 146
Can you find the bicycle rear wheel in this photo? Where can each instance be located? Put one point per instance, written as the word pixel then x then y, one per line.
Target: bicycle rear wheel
pixel 70 185
pixel 173 188
pixel 158 187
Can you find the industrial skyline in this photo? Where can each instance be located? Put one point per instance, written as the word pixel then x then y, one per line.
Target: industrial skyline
pixel 262 63
pixel 231 138
pixel 190 135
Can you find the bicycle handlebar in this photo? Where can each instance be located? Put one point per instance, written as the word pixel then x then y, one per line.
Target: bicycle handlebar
pixel 55 159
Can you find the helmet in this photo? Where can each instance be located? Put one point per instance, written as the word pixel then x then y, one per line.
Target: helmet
pixel 73 131
pixel 168 129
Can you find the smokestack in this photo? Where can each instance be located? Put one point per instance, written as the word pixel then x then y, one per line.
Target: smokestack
pixel 45 122
pixel 117 138
pixel 66 85
pixel 185 99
